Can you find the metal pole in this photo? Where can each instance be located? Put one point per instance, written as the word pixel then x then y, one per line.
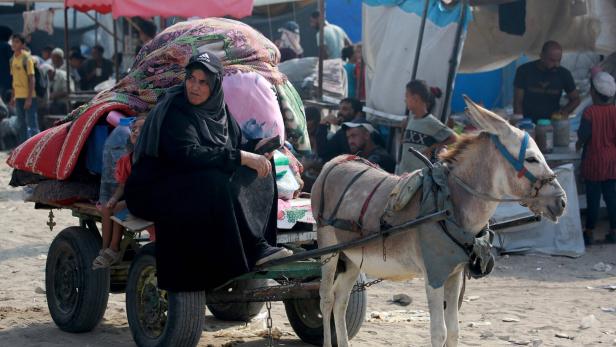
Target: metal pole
pixel 420 39
pixel 430 218
pixel 453 61
pixel 66 60
pixel 116 61
pixel 321 47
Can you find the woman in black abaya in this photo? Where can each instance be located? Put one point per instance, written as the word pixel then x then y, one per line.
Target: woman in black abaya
pixel 213 201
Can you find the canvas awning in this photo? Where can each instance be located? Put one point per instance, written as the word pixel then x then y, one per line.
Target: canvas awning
pixel 165 8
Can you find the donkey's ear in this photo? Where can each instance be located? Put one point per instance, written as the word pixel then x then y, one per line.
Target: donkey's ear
pixel 485 119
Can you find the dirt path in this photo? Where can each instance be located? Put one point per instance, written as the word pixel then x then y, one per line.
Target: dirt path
pixel 539 296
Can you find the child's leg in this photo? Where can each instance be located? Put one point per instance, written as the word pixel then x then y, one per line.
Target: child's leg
pixel 107 226
pixel 118 230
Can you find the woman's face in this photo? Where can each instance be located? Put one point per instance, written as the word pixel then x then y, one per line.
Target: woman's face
pixel 197 87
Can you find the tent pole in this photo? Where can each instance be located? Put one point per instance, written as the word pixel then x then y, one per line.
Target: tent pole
pixel 420 39
pixel 321 47
pixel 453 61
pixel 66 60
pixel 116 61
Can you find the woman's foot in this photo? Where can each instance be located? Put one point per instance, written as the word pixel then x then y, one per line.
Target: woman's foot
pixel 611 236
pixel 105 259
pixel 588 240
pixel 272 253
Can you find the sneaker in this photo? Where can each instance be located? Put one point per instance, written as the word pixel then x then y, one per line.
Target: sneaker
pixel 272 253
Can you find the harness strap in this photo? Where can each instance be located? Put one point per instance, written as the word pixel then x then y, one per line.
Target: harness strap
pixel 518 164
pixel 364 208
pixel 346 189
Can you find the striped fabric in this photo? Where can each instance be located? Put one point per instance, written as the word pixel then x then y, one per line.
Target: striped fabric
pixel 599 162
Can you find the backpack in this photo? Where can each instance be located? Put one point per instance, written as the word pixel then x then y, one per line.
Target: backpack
pixel 40 78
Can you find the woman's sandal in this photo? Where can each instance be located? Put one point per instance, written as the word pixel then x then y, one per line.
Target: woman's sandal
pixel 105 259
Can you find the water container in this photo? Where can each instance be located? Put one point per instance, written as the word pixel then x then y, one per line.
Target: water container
pixel 561 132
pixel 114 149
pixel 94 148
pixel 544 135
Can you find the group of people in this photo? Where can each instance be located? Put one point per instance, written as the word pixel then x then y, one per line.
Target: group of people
pixel 539 85
pixel 32 86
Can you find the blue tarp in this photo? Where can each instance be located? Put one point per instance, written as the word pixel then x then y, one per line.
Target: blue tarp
pixel 347 15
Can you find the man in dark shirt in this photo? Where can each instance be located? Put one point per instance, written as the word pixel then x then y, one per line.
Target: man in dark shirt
pixel 539 85
pixel 5 57
pixel 360 138
pixel 96 70
pixel 350 111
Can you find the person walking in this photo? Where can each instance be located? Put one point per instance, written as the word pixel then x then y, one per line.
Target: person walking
pixel 23 96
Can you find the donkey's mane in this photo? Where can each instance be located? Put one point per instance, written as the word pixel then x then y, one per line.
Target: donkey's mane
pixel 464 142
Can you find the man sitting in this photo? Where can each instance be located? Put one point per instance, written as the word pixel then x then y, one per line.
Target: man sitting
pixel 327 148
pixel 361 140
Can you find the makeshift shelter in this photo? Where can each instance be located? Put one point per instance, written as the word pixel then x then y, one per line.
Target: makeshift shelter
pixel 392 59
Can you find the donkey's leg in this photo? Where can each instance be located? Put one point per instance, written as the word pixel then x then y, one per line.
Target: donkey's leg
pixel 328 274
pixel 343 285
pixel 453 285
pixel 436 300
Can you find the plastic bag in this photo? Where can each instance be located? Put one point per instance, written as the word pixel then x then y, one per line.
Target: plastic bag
pixel 285 178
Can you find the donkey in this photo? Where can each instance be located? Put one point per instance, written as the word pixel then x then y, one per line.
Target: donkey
pixel 481 170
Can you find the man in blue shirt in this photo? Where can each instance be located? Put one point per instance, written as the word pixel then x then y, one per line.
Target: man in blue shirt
pixel 334 37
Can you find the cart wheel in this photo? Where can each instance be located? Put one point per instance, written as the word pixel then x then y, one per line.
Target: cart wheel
pixel 242 311
pixel 307 322
pixel 76 294
pixel 157 317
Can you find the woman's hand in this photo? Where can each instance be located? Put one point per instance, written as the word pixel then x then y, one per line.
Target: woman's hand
pixel 257 162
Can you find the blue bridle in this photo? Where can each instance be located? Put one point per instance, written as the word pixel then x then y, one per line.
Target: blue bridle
pixel 518 164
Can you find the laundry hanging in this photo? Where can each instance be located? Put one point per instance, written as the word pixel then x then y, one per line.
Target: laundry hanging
pixel 38 20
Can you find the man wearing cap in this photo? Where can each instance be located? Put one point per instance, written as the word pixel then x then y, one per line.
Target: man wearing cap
pixel 539 85
pixel 289 42
pixel 597 135
pixel 361 139
pixel 329 147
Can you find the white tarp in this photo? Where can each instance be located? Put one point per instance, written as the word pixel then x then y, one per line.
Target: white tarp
pixel 564 238
pixel 487 48
pixel 390 37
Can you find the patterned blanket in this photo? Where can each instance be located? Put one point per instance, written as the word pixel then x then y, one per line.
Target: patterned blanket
pixel 158 66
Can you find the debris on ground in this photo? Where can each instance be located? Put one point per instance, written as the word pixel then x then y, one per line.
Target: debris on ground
pixel 402 299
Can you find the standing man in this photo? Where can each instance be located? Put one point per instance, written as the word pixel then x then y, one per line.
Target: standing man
pixel 77 69
pixel 57 90
pixel 539 85
pixel 23 96
pixel 57 59
pixel 97 69
pixel 334 37
pixel 5 58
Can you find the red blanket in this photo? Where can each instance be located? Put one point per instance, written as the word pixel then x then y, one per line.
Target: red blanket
pixel 54 152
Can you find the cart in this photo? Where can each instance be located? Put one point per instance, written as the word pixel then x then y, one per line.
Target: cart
pixel 77 296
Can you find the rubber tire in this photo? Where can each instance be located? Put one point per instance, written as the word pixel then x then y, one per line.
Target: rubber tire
pixel 90 300
pixel 355 315
pixel 185 311
pixel 241 311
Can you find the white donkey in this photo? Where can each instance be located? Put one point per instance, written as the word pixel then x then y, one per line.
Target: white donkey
pixel 500 161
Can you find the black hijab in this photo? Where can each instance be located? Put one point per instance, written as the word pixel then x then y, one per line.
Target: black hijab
pixel 212 113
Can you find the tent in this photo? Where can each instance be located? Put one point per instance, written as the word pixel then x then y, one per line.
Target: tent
pixel 130 8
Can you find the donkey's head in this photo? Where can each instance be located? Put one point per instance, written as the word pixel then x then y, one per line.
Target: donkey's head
pixel 525 173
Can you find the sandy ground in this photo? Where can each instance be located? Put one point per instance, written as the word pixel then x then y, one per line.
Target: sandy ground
pixel 528 300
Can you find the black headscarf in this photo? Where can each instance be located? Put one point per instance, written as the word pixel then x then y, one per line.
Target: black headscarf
pixel 212 112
